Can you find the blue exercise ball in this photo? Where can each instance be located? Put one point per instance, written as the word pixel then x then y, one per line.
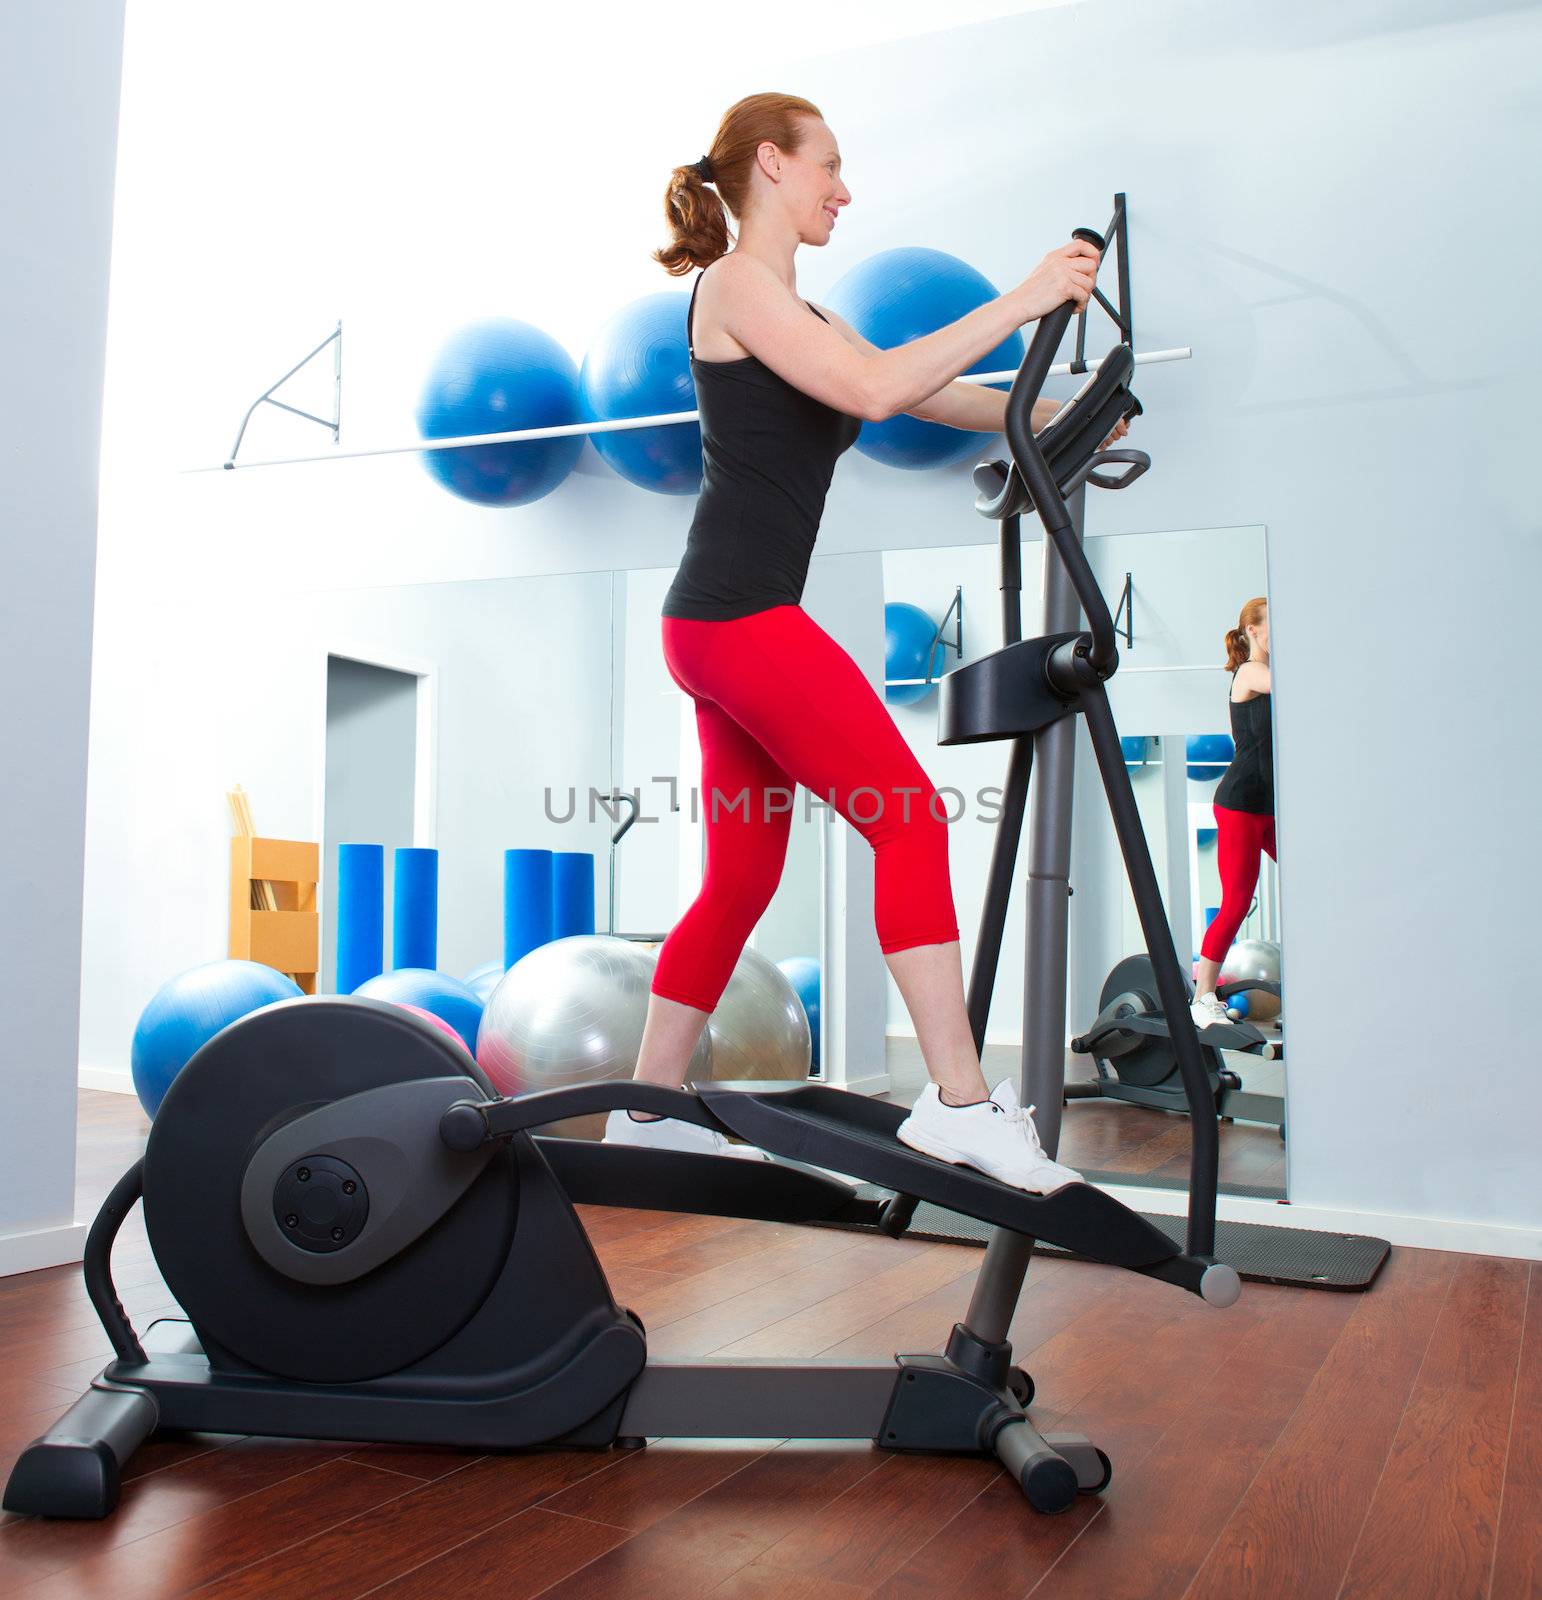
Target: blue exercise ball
pixel 802 972
pixel 908 634
pixel 1237 1007
pixel 1209 755
pixel 900 295
pixel 1136 748
pixel 481 981
pixel 188 1010
pixel 498 376
pixel 448 998
pixel 639 366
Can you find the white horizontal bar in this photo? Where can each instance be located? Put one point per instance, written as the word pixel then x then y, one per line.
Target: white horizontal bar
pixel 664 420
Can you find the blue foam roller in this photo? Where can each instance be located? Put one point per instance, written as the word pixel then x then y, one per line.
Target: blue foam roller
pixel 527 902
pixel 572 892
pixel 415 917
pixel 360 914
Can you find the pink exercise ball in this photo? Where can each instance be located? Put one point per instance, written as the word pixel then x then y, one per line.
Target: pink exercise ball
pixel 438 1022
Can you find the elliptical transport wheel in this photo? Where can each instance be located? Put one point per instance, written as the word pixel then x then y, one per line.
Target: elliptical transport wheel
pixel 1049 1481
pixel 1021 1385
pixel 1108 1474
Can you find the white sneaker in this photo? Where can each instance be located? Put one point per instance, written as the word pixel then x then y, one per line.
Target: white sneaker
pixel 1207 1009
pixel 669 1133
pixel 995 1136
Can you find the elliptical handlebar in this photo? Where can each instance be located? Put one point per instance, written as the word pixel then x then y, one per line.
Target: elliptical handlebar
pixel 1047 336
pixel 1002 493
pixel 1097 407
pixel 1136 464
pixel 1045 471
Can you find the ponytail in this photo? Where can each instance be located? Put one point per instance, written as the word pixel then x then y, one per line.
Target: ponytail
pixel 697 219
pixel 697 216
pixel 1238 649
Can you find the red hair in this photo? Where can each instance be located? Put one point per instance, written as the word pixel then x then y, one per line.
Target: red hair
pixel 698 218
pixel 1237 649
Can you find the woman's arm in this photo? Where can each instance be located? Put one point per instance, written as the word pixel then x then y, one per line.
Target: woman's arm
pixel 755 309
pixel 970 406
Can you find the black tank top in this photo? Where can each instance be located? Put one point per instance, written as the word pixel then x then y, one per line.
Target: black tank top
pixel 768 452
pixel 1248 783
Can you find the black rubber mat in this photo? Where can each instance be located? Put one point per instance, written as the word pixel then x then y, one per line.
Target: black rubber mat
pixel 1297 1256
pixel 1147 1180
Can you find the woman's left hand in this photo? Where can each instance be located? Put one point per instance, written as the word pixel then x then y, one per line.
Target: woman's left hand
pixel 1119 432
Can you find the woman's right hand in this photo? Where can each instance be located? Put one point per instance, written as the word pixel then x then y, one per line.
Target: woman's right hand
pixel 1068 272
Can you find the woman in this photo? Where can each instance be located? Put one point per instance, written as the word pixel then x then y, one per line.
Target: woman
pixel 783 387
pixel 1244 801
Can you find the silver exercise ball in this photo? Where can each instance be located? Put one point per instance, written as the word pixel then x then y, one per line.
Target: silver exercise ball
pixel 573 1011
pixel 570 1012
pixel 760 1029
pixel 1259 960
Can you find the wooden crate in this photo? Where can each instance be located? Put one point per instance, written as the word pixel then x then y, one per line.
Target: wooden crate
pixel 288 938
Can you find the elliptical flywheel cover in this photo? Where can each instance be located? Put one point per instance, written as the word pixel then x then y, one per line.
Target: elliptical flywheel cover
pixel 247 1081
pixel 1149 1061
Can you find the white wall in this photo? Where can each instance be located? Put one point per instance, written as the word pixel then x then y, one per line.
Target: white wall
pixel 1305 212
pixel 522 724
pixel 59 74
pixel 517 711
pixel 1323 204
pixel 655 869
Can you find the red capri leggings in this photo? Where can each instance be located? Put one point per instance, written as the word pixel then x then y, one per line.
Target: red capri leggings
pixel 1241 837
pixel 779 703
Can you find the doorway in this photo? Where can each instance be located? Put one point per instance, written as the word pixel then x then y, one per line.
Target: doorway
pixel 371 779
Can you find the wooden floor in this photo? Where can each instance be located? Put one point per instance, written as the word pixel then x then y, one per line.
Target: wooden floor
pixel 1298 1444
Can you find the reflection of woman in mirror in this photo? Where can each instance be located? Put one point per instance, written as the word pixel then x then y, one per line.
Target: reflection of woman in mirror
pixel 783 387
pixel 1244 801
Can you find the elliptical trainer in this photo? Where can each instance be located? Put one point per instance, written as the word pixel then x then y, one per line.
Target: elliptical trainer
pixel 370 1244
pixel 1132 1049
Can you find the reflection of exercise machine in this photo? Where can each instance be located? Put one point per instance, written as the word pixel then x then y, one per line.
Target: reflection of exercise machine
pixel 370 1244
pixel 1136 1059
